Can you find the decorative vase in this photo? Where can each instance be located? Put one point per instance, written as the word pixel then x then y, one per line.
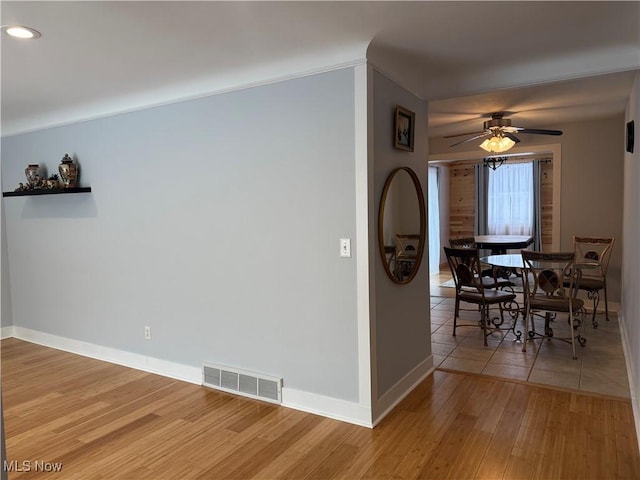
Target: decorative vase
pixel 68 172
pixel 32 172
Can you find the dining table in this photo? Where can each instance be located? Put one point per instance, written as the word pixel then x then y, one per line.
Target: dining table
pixel 499 244
pixel 513 263
pixel 504 260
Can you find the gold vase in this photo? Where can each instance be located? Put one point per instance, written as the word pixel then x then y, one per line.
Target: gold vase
pixel 68 172
pixel 32 172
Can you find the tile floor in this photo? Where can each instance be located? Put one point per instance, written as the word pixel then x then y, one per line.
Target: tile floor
pixel 600 366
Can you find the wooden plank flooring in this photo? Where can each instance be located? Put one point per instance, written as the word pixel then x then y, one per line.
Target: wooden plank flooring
pixel 103 421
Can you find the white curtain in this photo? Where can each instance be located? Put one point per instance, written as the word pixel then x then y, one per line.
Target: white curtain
pixel 510 200
pixel 434 222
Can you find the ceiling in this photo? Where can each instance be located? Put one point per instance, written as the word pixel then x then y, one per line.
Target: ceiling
pixel 547 62
pixel 537 106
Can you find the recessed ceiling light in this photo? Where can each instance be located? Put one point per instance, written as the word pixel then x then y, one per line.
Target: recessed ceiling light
pixel 19 31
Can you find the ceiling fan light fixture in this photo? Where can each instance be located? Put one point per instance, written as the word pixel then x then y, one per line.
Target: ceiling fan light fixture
pixel 501 134
pixel 497 144
pixel 19 31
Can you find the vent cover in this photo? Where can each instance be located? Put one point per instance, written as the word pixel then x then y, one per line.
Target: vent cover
pixel 249 384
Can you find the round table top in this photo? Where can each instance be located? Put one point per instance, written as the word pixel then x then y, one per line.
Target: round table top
pixel 507 260
pixel 514 260
pixel 502 238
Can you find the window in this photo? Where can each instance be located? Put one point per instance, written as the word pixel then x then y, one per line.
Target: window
pixel 510 200
pixel 434 222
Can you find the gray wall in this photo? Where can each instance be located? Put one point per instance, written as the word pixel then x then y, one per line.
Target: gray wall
pixel 5 296
pixel 402 332
pixel 631 258
pixel 592 194
pixel 214 221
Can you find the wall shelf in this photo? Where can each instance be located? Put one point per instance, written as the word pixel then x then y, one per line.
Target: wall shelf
pixel 44 191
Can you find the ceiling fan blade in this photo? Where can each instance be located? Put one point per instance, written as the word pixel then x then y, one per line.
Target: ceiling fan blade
pixel 512 137
pixel 462 134
pixel 486 134
pixel 539 131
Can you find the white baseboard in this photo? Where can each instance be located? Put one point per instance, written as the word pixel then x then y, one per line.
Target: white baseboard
pixel 631 375
pixel 305 401
pixel 165 368
pixel 6 332
pixel 352 412
pixel 330 407
pixel 400 390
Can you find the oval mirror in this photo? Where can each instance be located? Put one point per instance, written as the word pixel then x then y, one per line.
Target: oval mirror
pixel 402 225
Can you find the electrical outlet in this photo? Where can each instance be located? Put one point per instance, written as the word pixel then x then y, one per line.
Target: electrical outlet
pixel 147 333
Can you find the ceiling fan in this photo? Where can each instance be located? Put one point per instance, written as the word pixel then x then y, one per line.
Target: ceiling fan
pixel 500 134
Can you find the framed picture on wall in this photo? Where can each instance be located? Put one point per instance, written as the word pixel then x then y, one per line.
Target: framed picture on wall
pixel 403 129
pixel 630 132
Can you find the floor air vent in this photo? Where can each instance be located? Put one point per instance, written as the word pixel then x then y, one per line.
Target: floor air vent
pixel 249 384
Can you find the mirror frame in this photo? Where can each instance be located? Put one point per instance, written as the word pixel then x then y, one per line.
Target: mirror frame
pixel 423 224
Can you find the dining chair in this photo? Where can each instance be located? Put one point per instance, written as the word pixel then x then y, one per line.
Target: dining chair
pixel 550 280
pixel 500 276
pixel 594 249
pixel 406 254
pixel 464 264
pixel 463 242
pixel 470 242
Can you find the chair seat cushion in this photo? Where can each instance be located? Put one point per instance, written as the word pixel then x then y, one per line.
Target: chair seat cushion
pixel 490 297
pixel 589 283
pixel 489 282
pixel 554 304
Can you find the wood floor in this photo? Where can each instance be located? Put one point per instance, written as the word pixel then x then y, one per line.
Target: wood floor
pixel 96 420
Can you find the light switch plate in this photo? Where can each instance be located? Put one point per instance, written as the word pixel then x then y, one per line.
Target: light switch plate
pixel 345 247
